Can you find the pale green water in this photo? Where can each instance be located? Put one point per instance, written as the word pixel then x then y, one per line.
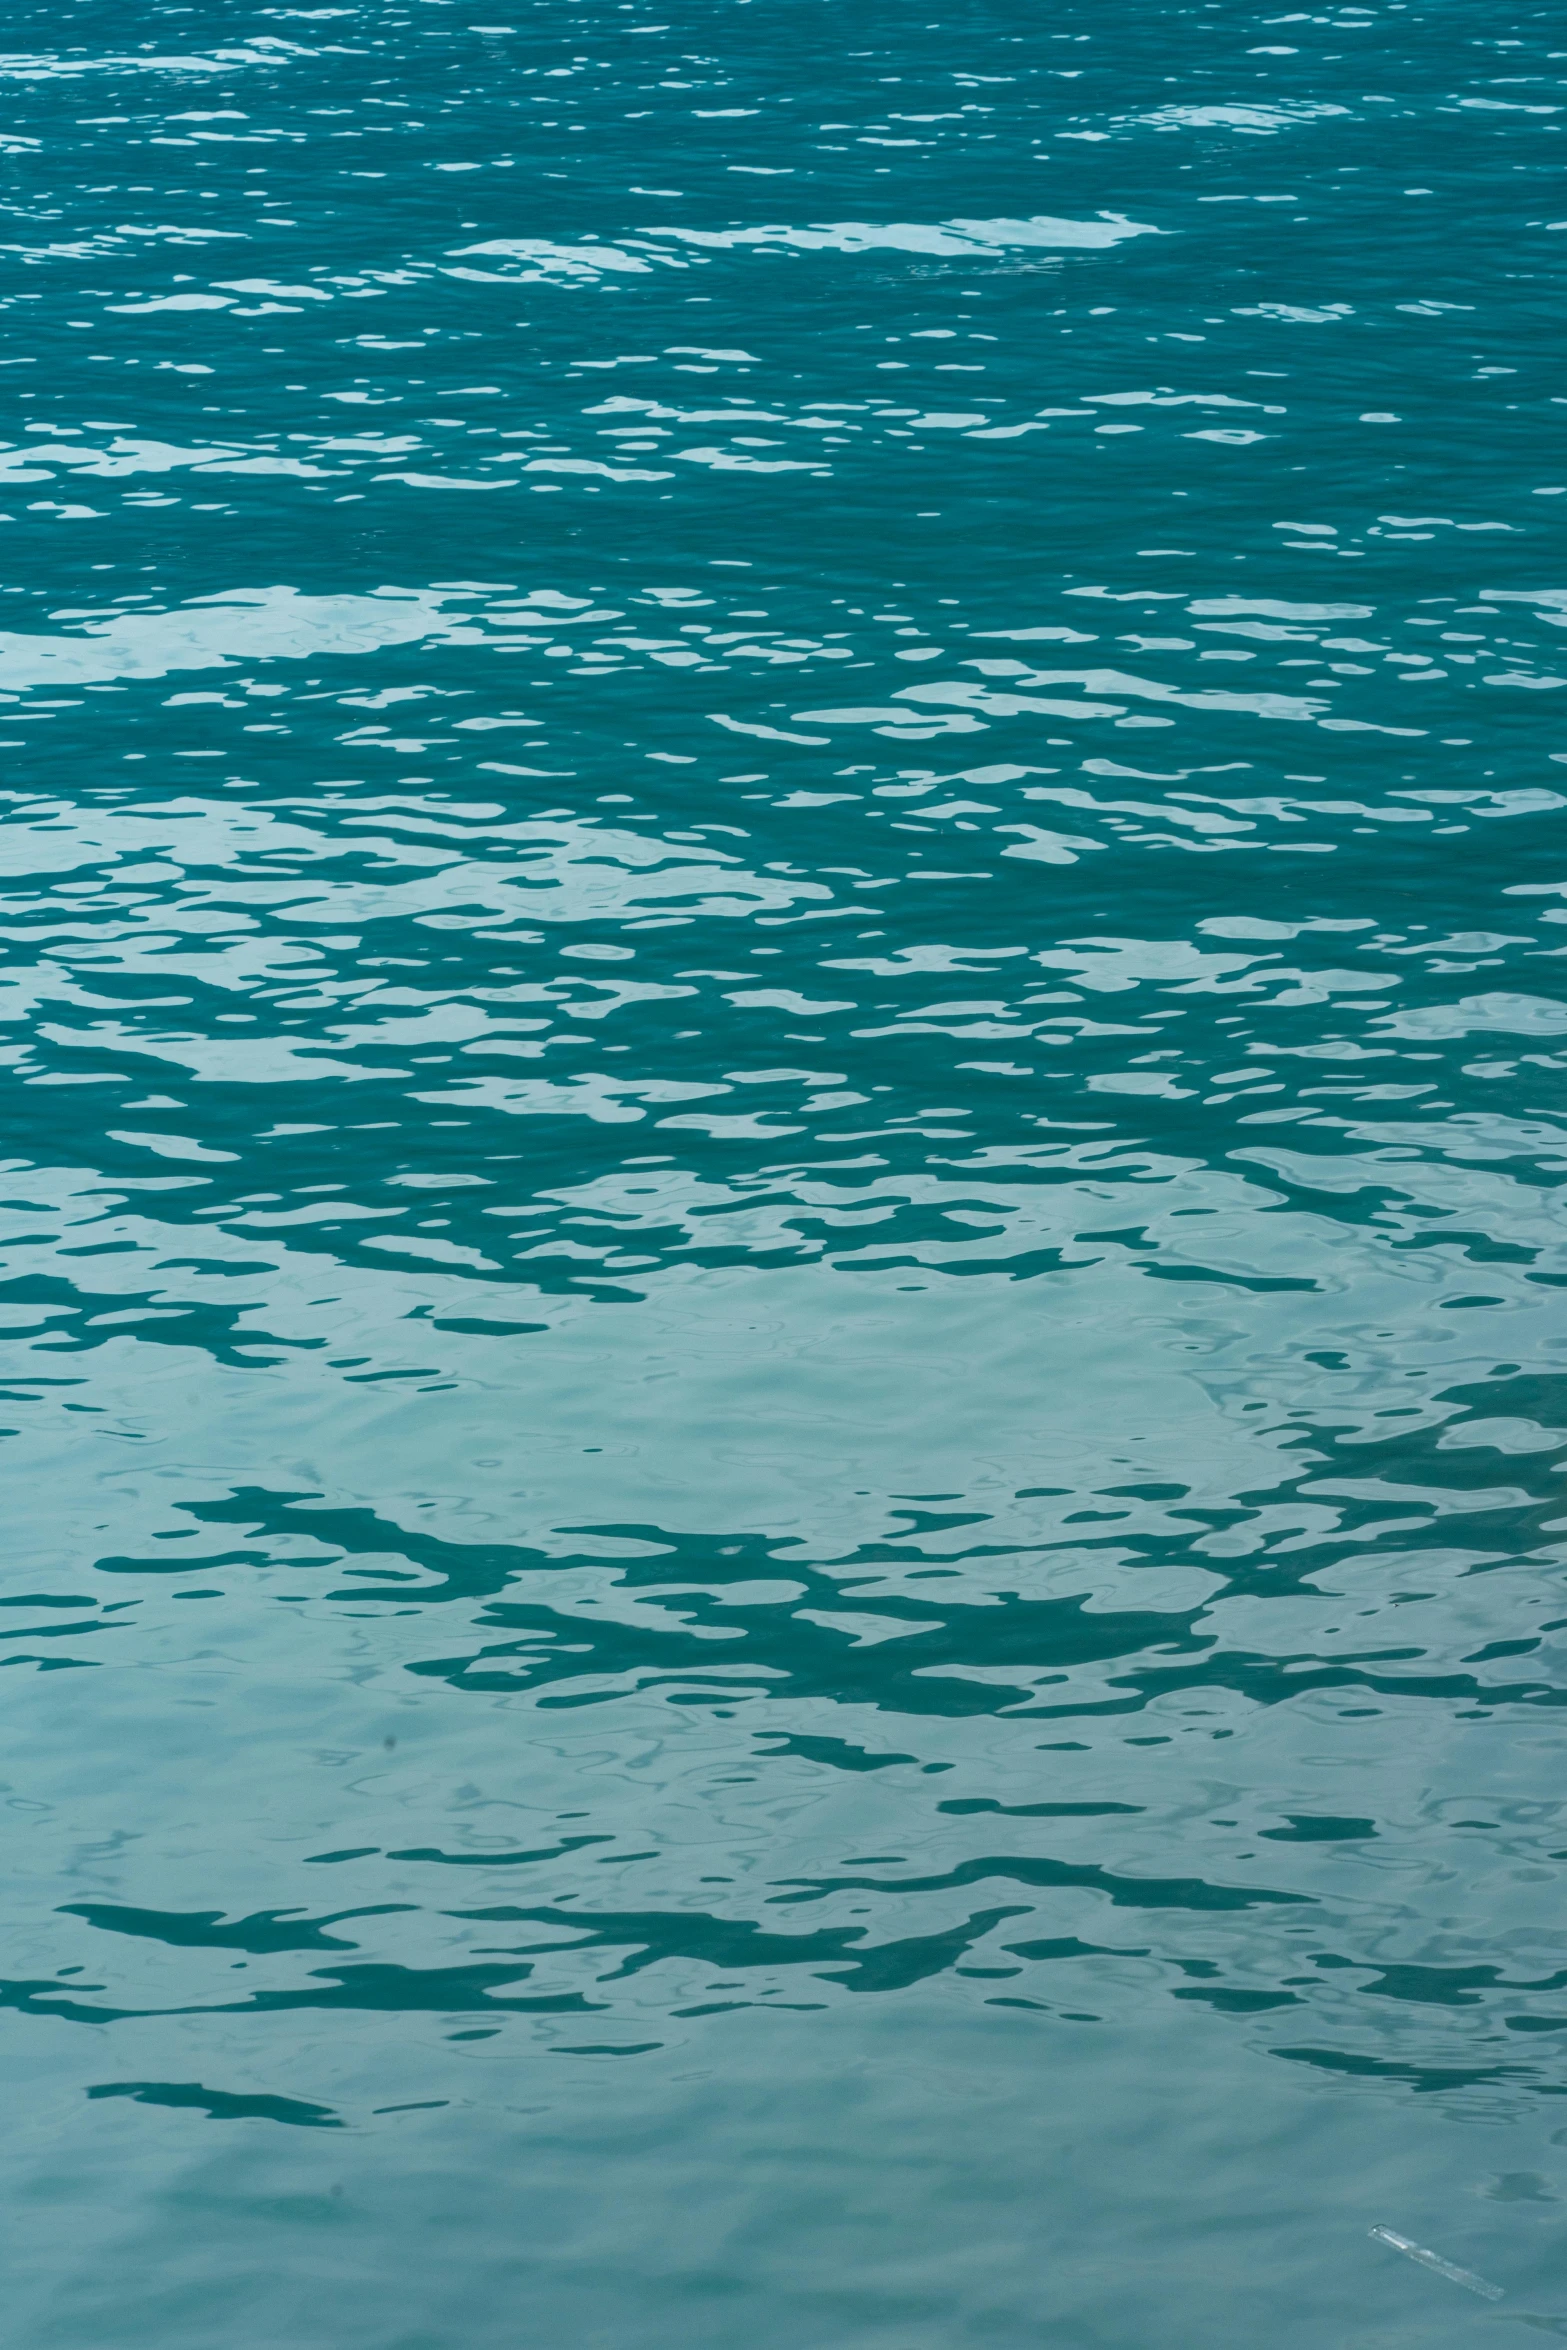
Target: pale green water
pixel 783 1134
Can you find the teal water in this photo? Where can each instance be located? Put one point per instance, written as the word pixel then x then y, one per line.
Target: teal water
pixel 782 1265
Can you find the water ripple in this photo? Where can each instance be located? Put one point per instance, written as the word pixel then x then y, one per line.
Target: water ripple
pixel 832 1338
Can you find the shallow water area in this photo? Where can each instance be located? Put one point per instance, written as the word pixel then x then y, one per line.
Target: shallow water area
pixel 779 1222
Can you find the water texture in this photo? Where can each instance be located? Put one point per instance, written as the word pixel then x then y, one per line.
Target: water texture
pixel 782 1270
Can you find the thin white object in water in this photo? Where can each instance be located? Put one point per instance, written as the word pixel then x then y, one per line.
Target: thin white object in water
pixel 1444 2268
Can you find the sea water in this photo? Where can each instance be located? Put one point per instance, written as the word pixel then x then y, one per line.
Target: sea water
pixel 783 1128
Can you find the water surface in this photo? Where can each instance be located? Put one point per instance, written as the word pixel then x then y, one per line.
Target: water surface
pixel 781 1253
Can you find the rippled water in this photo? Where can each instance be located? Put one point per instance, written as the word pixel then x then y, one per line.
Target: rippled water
pixel 781 1252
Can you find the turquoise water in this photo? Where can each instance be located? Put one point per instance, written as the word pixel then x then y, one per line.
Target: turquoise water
pixel 783 1126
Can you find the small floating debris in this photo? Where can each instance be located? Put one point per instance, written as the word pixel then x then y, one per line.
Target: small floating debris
pixel 1444 2268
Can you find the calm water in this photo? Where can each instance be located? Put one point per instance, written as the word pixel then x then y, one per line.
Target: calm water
pixel 783 1123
